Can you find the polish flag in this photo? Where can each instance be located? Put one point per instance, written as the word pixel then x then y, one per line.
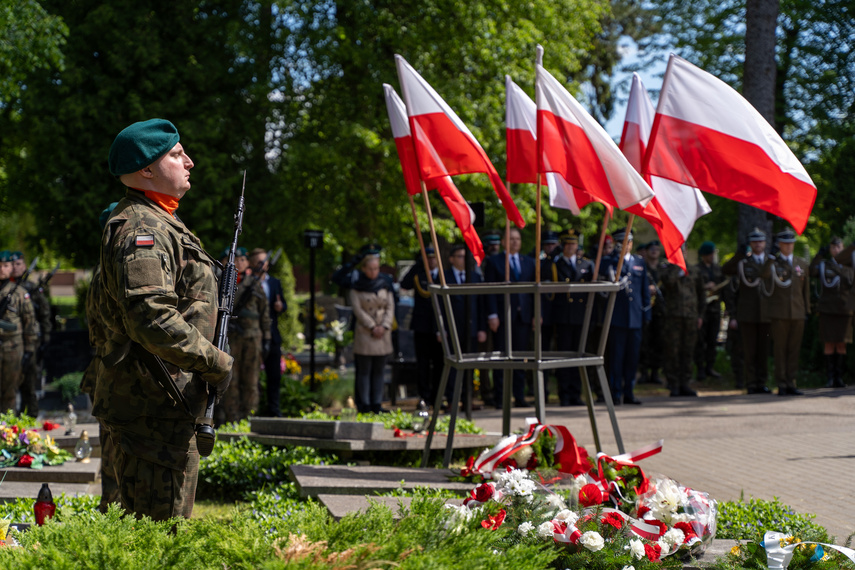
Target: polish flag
pixel 571 143
pixel 444 146
pixel 460 210
pixel 677 206
pixel 521 129
pixel 706 135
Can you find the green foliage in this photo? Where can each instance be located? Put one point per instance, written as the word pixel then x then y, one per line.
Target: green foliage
pixel 421 493
pixel 68 385
pixel 24 421
pixel 289 320
pixel 237 468
pixel 240 426
pixel 402 420
pixel 295 399
pixel 67 507
pixel 749 520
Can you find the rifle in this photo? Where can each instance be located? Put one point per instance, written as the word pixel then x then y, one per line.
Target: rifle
pixel 205 434
pixel 46 279
pixel 4 304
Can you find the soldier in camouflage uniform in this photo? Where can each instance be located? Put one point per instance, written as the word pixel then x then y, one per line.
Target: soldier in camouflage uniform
pixel 249 342
pixel 712 277
pixel 18 336
pixel 683 299
pixel 41 306
pixel 158 307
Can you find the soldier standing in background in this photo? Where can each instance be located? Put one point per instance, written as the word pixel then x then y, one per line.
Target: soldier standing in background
pixel 789 305
pixel 684 300
pixel 249 342
pixel 18 334
pixel 712 277
pixel 835 314
pixel 276 305
pixel 159 308
pixel 41 307
pixel 752 316
pixel 652 348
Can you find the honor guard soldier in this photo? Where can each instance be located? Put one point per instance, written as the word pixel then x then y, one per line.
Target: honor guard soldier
pixel 752 313
pixel 684 301
pixel 159 307
pixel 249 342
pixel 789 305
pixel 568 312
pixel 41 307
pixel 627 319
pixel 713 278
pixel 18 334
pixel 834 307
pixel 652 348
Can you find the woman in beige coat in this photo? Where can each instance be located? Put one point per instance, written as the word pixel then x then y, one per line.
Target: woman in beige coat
pixel 374 309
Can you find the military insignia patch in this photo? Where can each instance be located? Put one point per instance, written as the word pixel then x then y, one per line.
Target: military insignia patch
pixel 144 240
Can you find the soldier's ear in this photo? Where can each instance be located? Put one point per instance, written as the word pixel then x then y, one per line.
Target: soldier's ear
pixel 146 172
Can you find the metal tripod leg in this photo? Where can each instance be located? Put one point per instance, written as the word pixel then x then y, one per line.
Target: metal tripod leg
pixel 607 394
pixel 437 405
pixel 589 398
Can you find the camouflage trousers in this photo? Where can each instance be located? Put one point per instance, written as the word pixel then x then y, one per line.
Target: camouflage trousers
pixel 156 466
pixel 11 354
pixel 680 336
pixel 109 486
pixel 241 399
pixel 29 385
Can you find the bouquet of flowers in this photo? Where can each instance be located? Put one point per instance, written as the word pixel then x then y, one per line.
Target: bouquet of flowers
pixel 594 536
pixel 21 447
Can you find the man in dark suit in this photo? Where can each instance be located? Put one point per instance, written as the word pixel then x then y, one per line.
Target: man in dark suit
pixel 429 356
pixel 473 331
pixel 276 299
pixel 522 269
pixel 627 319
pixel 568 311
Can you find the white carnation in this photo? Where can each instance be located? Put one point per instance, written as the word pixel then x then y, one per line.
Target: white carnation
pixel 636 547
pixel 628 567
pixel 523 455
pixel 566 516
pixel 592 540
pixel 525 528
pixel 545 530
pixel 555 501
pixel 674 537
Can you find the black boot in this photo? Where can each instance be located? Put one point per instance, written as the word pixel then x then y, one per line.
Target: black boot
pixel 830 364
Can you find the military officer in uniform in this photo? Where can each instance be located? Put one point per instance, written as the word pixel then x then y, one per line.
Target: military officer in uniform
pixel 18 334
pixel 159 310
pixel 835 314
pixel 752 314
pixel 568 311
pixel 249 342
pixel 789 305
pixel 627 319
pixel 710 272
pixel 652 349
pixel 684 302
pixel 41 306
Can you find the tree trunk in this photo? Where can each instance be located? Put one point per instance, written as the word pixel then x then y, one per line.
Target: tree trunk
pixel 758 87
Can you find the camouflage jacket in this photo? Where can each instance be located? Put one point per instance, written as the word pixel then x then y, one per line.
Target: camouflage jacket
pixel 159 291
pixel 683 295
pixel 97 333
pixel 252 317
pixel 20 313
pixel 41 307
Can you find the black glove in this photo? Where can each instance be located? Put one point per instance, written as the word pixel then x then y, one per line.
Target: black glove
pixel 222 387
pixel 265 349
pixel 25 362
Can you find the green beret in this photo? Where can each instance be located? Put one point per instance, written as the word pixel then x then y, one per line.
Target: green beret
pixel 15 255
pixel 239 252
pixel 105 214
pixel 5 255
pixel 140 144
pixel 706 248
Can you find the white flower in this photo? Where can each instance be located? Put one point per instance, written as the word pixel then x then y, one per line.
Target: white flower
pixel 555 501
pixel 592 540
pixel 665 502
pixel 637 549
pixel 628 567
pixel 673 537
pixel 544 530
pixel 566 516
pixel 458 517
pixel 515 482
pixel 525 528
pixel 523 455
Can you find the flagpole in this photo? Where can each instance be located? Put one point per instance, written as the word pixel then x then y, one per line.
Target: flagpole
pixel 507 243
pixel 537 234
pixel 623 246
pixel 433 236
pixel 421 239
pixel 600 247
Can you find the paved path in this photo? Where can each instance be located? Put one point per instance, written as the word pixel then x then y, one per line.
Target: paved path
pixel 798 449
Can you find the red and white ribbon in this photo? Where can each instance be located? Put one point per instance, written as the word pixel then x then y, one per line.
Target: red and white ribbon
pixel 778 555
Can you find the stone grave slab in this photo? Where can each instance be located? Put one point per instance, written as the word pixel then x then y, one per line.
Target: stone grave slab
pixel 314 480
pixel 386 441
pixel 318 429
pixel 70 472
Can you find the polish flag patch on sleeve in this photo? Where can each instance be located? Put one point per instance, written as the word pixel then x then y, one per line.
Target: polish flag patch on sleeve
pixel 144 240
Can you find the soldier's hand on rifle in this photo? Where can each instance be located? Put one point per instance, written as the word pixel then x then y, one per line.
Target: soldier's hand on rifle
pixel 223 386
pixel 25 361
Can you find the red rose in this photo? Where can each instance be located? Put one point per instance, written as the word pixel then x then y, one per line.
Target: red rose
pixel 612 519
pixel 25 461
pixel 14 430
pixel 494 521
pixel 397 433
pixel 653 552
pixel 590 495
pixel 482 493
pixel 687 529
pixel 48 426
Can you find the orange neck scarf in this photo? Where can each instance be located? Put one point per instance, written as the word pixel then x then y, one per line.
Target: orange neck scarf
pixel 168 203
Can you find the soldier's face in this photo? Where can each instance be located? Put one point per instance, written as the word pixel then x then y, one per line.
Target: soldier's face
pixel 241 263
pixel 5 270
pixel 835 249
pixel 18 267
pixel 653 252
pixel 432 263
pixel 570 248
pixel 458 260
pixel 608 247
pixel 786 248
pixel 171 173
pixel 758 247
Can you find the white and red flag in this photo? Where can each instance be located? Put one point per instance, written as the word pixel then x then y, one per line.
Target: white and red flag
pixel 521 136
pixel 460 210
pixel 706 135
pixel 677 206
pixel 571 143
pixel 444 146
